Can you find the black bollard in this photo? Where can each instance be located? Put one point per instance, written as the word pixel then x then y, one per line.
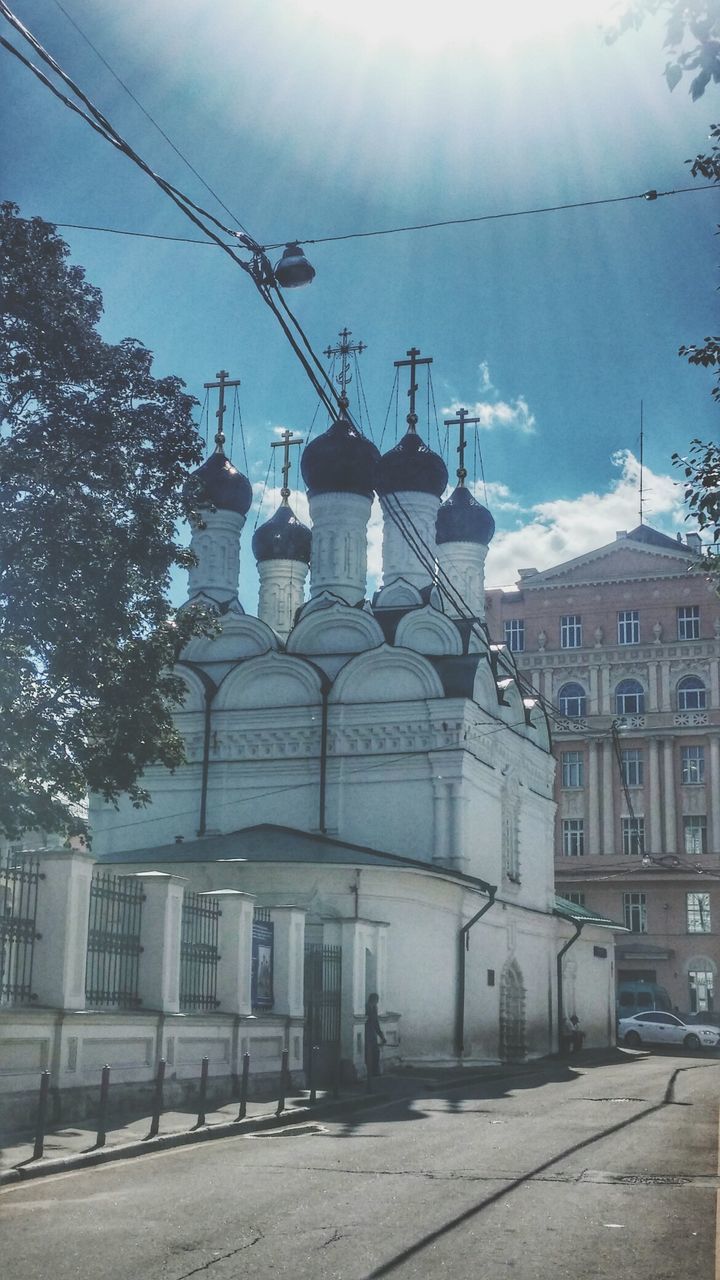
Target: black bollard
pixel 312 1073
pixel 244 1087
pixel 202 1101
pixel 283 1081
pixel 102 1109
pixel 41 1115
pixel 158 1100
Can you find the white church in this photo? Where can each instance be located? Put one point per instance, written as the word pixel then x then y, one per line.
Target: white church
pixel 378 765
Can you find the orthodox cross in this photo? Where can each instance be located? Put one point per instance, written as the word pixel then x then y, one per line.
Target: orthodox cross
pixel 345 348
pixel 222 383
pixel 413 363
pixel 285 442
pixel 462 421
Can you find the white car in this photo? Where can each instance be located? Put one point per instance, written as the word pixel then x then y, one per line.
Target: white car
pixel 657 1027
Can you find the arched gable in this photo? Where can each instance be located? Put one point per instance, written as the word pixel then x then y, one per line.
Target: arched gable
pixel 194 699
pixel 241 636
pixel 387 675
pixel 272 680
pixel 512 707
pixel 398 595
pixel 485 690
pixel 335 629
pixel 427 631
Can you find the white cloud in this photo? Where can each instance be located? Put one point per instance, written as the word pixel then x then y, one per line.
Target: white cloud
pixel 491 410
pixel 563 528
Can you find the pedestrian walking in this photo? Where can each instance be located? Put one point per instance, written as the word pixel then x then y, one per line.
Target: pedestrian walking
pixel 373 1035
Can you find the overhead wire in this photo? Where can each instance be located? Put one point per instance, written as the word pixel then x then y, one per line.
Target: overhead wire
pixel 257 269
pixel 147 114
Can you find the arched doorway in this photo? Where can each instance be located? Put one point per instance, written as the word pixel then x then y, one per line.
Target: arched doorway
pixel 512 1013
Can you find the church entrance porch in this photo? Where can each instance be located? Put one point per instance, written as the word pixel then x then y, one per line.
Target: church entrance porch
pixel 323 993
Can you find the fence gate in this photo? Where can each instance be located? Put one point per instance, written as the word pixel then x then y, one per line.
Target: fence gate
pixel 323 981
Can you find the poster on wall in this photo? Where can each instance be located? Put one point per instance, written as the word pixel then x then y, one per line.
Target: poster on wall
pixel 262 965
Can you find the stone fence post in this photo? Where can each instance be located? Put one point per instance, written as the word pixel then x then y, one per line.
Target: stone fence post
pixel 63 905
pixel 288 960
pixel 159 975
pixel 235 946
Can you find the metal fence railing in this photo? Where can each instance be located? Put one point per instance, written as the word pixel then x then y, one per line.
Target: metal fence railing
pixel 113 951
pixel 199 953
pixel 19 879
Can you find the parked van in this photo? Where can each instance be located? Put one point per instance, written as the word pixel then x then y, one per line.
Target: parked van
pixel 633 997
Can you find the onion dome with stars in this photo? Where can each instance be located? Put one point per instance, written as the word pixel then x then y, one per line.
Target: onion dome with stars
pixel 219 484
pixel 341 460
pixel 461 518
pixel 282 537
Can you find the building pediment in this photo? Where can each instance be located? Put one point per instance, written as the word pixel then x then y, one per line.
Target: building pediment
pixel 624 559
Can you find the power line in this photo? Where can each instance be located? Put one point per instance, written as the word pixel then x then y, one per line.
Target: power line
pixel 147 115
pixel 422 226
pixel 652 194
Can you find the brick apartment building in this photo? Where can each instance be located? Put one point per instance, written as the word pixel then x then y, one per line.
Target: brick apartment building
pixel 624 643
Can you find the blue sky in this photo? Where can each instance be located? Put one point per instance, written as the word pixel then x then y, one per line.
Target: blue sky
pixel 312 120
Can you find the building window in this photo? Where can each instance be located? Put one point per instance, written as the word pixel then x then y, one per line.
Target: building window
pixel 702 990
pixel 633 835
pixel 695 833
pixel 578 899
pixel 628 626
pixel 635 912
pixel 572 700
pixel 698 912
pixel 572 768
pixel 571 631
pixel 691 695
pixel 573 837
pixel 632 766
pixel 688 622
pixel 693 765
pixel 515 634
pixel 629 698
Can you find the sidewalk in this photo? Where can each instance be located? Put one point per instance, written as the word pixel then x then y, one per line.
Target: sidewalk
pixel 74 1146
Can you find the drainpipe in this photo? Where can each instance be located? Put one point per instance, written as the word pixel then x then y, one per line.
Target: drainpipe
pixel 323 757
pixel 463 946
pixel 571 942
pixel 202 825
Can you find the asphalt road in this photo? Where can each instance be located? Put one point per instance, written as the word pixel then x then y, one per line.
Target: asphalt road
pixel 593 1172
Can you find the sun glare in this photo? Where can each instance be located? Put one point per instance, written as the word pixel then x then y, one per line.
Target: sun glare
pixel 426 26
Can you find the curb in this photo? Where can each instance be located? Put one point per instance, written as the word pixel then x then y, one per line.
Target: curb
pixel 165 1142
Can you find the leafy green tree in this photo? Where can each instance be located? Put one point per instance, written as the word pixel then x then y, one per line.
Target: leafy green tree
pixel 94 454
pixel 692 38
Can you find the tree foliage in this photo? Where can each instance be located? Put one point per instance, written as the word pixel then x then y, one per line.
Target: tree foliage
pixel 692 38
pixel 94 453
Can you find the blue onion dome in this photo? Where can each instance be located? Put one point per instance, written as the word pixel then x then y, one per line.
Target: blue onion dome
pixel 282 537
pixel 341 460
pixel 413 466
pixel 217 483
pixel 462 519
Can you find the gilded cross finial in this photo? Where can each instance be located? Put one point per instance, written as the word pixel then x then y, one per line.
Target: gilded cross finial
pixel 344 349
pixel 285 442
pixel 223 382
pixel 462 421
pixel 412 363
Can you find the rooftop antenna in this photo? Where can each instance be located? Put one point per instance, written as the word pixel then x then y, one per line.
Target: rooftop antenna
pixel 642 440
